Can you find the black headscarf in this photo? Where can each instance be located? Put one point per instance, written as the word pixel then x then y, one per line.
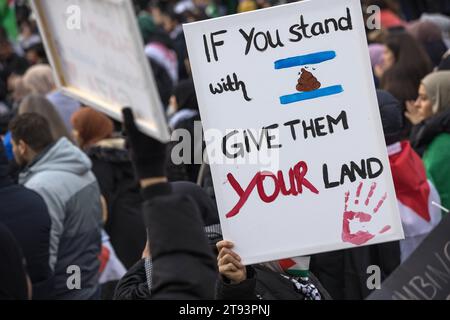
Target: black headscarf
pixel 185 94
pixel 391 116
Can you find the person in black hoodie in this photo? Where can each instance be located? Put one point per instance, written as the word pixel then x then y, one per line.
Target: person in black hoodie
pixel 137 283
pixel 183 266
pixel 25 214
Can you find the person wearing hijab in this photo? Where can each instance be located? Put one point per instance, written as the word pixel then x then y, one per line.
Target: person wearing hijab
pixel 39 79
pixel 430 136
pixel 430 36
pixel 14 283
pixel 36 103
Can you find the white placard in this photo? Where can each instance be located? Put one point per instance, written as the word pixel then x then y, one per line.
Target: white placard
pixel 318 177
pixel 98 57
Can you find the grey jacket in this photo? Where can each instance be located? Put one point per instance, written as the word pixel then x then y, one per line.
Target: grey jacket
pixel 62 176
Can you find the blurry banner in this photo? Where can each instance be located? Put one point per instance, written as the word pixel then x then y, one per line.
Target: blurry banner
pixel 98 57
pixel 425 275
pixel 293 131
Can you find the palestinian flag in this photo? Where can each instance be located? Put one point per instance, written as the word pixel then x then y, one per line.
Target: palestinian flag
pixel 415 195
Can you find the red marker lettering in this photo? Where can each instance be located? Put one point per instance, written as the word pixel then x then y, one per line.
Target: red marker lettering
pixel 297 181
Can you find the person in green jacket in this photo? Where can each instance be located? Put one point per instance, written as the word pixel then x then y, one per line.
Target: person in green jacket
pixel 8 19
pixel 431 134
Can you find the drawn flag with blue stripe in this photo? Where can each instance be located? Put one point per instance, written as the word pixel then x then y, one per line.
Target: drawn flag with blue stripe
pixel 308 86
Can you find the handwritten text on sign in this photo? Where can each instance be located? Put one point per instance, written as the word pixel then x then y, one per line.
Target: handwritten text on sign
pixel 280 78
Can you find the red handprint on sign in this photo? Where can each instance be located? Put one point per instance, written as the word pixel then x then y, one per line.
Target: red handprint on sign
pixel 360 217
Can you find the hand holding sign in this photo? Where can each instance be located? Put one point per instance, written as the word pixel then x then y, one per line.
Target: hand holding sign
pixel 360 217
pixel 229 263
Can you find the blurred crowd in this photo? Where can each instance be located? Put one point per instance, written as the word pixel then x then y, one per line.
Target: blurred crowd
pixel 91 208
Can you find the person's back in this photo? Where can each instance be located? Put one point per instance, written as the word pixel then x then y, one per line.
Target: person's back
pixel 25 214
pixel 63 178
pixel 61 174
pixel 112 167
pixel 114 172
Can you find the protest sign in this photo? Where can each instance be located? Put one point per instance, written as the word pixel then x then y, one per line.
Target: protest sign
pixel 293 131
pixel 425 275
pixel 98 57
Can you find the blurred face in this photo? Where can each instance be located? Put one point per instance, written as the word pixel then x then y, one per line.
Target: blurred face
pixel 25 30
pixel 32 57
pixel 157 16
pixel 168 24
pixel 5 50
pixel 423 103
pixel 388 58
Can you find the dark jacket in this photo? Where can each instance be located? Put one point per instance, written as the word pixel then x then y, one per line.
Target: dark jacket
pixel 183 266
pixel 423 134
pixel 13 279
pixel 264 284
pixel 62 176
pixel 112 168
pixel 344 273
pixel 139 282
pixel 25 214
pixel 134 285
pixel 432 140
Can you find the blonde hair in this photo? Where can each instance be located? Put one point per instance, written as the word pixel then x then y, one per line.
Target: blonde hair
pixel 39 79
pixel 35 103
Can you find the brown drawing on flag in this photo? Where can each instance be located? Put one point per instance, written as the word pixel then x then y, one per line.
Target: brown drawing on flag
pixel 307 81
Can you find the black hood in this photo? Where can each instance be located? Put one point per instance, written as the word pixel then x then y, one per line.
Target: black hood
pixel 207 206
pixel 391 116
